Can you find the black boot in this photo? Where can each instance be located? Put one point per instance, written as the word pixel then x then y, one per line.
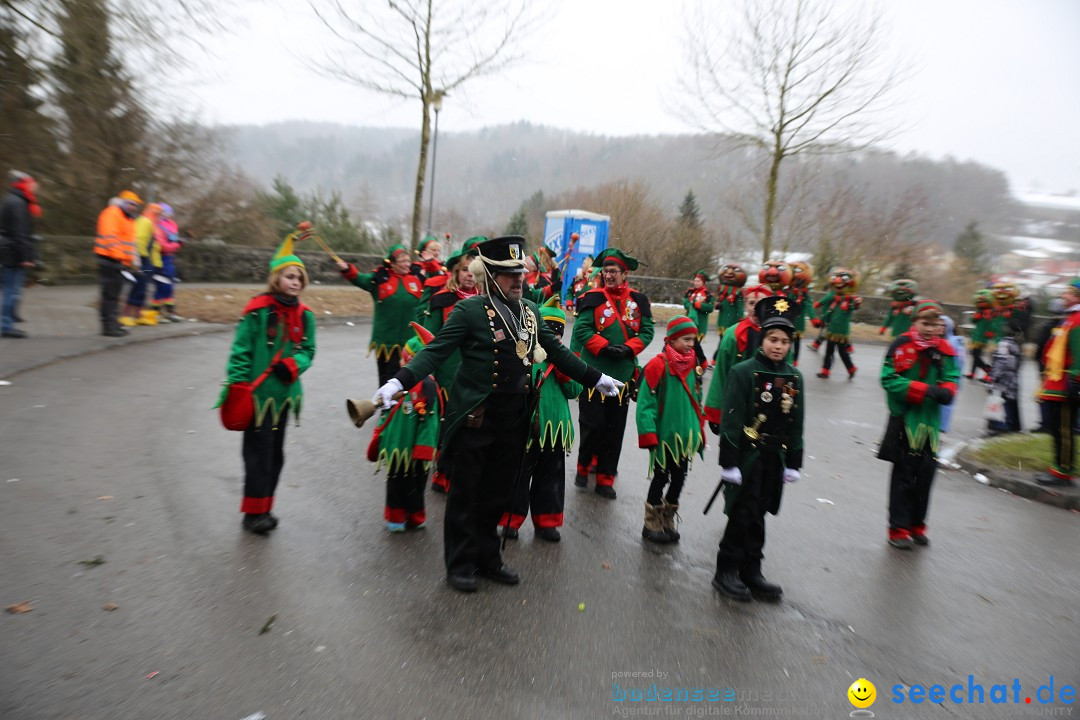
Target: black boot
pixel 729 584
pixel 258 523
pixel 758 586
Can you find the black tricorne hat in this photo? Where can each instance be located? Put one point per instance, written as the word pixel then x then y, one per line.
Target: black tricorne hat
pixel 776 311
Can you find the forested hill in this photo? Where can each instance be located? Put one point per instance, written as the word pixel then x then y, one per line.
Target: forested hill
pixel 486 175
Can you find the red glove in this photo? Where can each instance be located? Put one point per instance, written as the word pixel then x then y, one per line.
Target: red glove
pixel 815 322
pixel 881 331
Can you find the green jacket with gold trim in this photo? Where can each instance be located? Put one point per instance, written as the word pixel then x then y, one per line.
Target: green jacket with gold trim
pixel 764 407
pixel 470 330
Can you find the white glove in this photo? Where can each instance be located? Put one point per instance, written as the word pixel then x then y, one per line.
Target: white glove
pixel 608 385
pixel 791 475
pixel 384 396
pixel 731 475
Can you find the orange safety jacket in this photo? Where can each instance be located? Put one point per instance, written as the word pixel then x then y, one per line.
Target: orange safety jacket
pixel 115 236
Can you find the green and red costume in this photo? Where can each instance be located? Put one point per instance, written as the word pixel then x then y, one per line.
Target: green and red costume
pixel 405 443
pixel 609 319
pixel 698 303
pixel 396 299
pixel 899 317
pixel 918 377
pixel 279 332
pixel 1058 391
pixel 729 307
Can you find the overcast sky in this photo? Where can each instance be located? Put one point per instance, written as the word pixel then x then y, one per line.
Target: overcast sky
pixel 994 80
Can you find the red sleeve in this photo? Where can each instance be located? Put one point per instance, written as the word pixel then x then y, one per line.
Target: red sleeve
pixel 648 440
pixel 596 343
pixel 636 345
pixel 916 392
pixel 351 273
pixel 423 452
pixel 951 387
pixel 713 415
pixel 291 364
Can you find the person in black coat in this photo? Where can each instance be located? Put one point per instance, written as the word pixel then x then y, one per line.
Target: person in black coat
pixel 17 253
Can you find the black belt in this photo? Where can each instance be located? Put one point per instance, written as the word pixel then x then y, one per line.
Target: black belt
pixel 769 442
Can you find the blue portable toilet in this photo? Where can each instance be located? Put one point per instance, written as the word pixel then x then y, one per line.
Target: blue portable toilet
pixel 592 230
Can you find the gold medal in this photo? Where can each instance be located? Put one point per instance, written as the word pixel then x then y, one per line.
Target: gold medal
pixel 490 312
pixel 786 403
pixel 521 348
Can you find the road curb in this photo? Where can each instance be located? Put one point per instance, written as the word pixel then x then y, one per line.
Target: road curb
pixel 1018 483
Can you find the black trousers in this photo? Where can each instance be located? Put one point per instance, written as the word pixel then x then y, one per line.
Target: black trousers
pixel 485 462
pixel 405 494
pixel 1061 416
pixel 909 487
pixel 796 342
pixel 744 537
pixel 674 474
pixel 977 362
pixel 112 285
pixel 388 367
pixel 542 490
pixel 602 422
pixel 264 456
pixel 842 350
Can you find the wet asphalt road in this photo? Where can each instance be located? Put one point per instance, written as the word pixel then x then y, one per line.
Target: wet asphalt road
pixel 118 456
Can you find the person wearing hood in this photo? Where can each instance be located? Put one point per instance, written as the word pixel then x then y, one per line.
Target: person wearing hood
pixel 1060 389
pixel 117 257
pixel 17 254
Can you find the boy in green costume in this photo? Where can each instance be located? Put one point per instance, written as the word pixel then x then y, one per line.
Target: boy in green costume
pixel 669 422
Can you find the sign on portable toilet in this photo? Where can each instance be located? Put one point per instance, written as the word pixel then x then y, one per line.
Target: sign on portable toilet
pixel 592 230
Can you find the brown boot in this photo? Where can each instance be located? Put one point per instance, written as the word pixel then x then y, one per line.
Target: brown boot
pixel 654 525
pixel 670 515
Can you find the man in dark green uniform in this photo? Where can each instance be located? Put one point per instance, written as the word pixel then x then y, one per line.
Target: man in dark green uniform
pixel 500 336
pixel 613 326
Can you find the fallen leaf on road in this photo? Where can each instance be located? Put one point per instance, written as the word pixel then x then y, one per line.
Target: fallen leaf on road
pixel 110 606
pixel 266 626
pixel 99 560
pixel 151 675
pixel 606 566
pixel 20 608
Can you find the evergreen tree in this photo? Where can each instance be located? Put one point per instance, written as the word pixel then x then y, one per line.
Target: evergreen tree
pixel 689 212
pixel 518 225
pixel 106 128
pixel 970 249
pixel 283 206
pixel 27 141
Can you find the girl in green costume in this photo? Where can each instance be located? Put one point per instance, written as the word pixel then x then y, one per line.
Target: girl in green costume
pixel 276 336
pixel 405 441
pixel 670 421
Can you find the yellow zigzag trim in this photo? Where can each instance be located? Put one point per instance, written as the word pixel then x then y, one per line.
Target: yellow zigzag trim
pixel 383 352
pixel 270 404
pixel 395 459
pixel 551 433
pixel 923 432
pixel 683 450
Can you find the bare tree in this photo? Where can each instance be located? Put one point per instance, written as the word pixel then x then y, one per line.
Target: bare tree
pixel 788 77
pixel 420 50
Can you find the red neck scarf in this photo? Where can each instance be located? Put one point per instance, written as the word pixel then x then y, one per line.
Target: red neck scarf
pixel 619 293
pixel 680 363
pixel 462 294
pixel 921 343
pixel 23 186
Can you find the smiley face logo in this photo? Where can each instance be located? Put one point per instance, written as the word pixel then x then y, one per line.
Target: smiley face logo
pixel 862 693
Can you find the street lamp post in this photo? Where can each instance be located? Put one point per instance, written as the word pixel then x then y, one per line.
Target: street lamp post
pixel 436 105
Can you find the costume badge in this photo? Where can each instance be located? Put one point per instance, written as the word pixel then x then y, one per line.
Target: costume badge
pixel 499 336
pixel 407 407
pixel 491 312
pixel 515 252
pixel 766 397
